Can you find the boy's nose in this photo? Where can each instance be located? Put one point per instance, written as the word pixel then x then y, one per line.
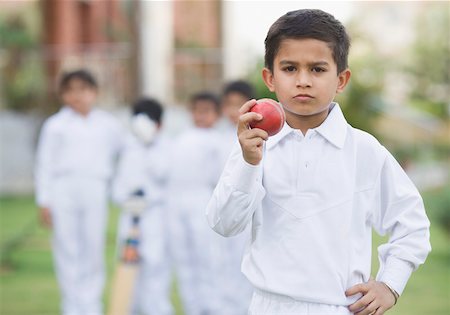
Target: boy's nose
pixel 303 79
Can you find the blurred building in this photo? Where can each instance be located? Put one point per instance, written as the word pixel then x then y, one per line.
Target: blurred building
pixel 95 35
pixel 180 48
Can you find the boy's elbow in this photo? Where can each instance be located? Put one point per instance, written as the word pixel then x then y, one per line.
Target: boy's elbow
pixel 217 225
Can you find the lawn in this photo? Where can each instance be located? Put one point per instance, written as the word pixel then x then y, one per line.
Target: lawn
pixel 28 285
pixel 27 281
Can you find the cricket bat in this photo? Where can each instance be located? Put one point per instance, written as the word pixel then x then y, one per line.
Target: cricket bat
pixel 128 265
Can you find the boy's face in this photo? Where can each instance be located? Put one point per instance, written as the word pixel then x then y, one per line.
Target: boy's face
pixel 305 79
pixel 79 95
pixel 204 114
pixel 231 104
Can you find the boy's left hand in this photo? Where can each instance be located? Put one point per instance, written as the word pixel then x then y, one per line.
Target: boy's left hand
pixel 376 299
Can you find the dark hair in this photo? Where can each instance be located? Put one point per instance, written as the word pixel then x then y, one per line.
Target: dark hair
pixel 81 74
pixel 206 96
pixel 240 86
pixel 150 107
pixel 308 23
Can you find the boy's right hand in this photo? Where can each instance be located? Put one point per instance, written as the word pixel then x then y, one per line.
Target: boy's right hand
pixel 251 140
pixel 45 217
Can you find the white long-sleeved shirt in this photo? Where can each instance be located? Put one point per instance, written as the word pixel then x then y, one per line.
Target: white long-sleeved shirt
pixel 143 167
pixel 74 145
pixel 195 168
pixel 312 203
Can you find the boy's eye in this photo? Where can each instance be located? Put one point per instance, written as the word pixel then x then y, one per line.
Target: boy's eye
pixel 318 69
pixel 289 69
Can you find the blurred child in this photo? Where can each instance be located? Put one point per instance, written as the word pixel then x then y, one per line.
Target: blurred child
pixel 236 288
pixel 235 93
pixel 144 167
pixel 195 169
pixel 75 160
pixel 313 192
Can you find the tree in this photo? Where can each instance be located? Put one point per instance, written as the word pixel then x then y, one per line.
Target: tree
pixel 430 61
pixel 21 68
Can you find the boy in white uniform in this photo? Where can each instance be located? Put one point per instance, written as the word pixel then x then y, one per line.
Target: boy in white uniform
pixel 314 191
pixel 75 160
pixel 195 169
pixel 144 167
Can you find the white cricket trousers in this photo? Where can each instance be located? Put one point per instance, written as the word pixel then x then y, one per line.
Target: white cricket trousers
pixel 79 214
pixel 264 303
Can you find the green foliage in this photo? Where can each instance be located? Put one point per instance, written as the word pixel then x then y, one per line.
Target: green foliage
pixel 21 65
pixel 255 78
pixel 430 61
pixel 438 203
pixel 362 100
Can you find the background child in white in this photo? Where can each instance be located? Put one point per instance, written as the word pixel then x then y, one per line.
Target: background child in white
pixel 75 161
pixel 314 191
pixel 236 288
pixel 195 170
pixel 144 166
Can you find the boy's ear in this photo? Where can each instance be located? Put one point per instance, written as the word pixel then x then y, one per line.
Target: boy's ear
pixel 267 76
pixel 343 78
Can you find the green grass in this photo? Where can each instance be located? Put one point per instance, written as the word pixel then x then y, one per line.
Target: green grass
pixel 28 285
pixel 428 290
pixel 27 281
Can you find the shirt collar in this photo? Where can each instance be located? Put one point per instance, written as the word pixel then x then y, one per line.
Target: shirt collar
pixel 333 129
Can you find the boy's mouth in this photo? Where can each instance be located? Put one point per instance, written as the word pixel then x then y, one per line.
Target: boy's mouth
pixel 303 97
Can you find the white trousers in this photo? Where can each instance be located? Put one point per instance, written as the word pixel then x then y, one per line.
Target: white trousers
pixel 152 290
pixel 79 214
pixel 264 303
pixel 195 266
pixel 236 288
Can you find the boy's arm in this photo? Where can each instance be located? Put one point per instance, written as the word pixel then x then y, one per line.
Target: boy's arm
pixel 129 175
pixel 237 195
pixel 401 214
pixel 46 151
pixel 239 191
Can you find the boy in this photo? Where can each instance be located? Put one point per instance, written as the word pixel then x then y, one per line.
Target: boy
pixel 75 161
pixel 144 167
pixel 314 191
pixel 195 170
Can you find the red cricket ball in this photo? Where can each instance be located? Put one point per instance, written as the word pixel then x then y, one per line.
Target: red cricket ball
pixel 273 116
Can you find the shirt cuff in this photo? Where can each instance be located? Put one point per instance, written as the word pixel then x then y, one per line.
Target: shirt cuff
pixel 42 200
pixel 245 176
pixel 396 273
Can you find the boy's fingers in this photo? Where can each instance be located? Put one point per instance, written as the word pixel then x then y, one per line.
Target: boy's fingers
pixel 369 310
pixel 255 142
pixel 45 217
pixel 361 303
pixel 246 119
pixel 246 107
pixel 253 133
pixel 359 288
